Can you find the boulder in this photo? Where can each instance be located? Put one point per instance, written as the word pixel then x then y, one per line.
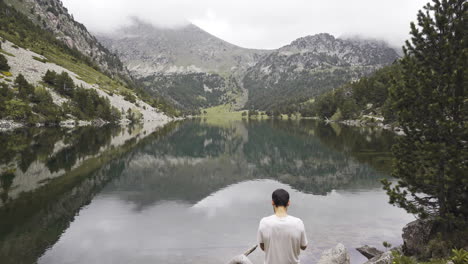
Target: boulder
pixel 416 235
pixel 369 252
pixel 385 258
pixel 337 255
pixel 241 259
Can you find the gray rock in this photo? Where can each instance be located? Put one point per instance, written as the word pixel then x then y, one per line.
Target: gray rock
pixel 241 259
pixel 337 255
pixel 385 258
pixel 369 252
pixel 416 235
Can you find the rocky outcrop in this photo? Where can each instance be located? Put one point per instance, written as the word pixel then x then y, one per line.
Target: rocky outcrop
pixel 416 235
pixel 337 255
pixel 53 16
pixel 312 65
pixel 385 258
pixel 369 252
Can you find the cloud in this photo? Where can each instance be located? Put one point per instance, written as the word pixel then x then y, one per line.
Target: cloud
pixel 258 23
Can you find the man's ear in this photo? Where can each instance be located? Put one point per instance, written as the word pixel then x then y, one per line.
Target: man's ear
pixel 272 202
pixel 289 202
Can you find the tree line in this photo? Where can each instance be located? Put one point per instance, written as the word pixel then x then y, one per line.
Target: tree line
pixel 26 103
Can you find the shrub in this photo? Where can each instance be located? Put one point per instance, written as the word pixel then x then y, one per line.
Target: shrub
pixel 134 115
pixel 129 97
pixel 401 259
pixel 459 256
pixel 17 110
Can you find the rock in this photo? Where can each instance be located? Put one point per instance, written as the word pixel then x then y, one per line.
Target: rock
pixel 70 123
pixel 337 255
pixel 7 125
pixel 385 258
pixel 416 235
pixel 241 259
pixel 369 252
pixel 99 122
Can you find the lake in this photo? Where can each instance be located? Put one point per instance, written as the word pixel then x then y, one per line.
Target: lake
pixel 189 192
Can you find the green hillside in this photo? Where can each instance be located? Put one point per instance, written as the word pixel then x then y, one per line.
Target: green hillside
pixel 20 30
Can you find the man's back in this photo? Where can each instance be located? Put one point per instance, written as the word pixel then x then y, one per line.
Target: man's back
pixel 282 238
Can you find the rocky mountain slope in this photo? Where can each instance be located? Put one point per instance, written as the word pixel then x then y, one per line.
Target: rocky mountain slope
pixel 311 65
pixel 186 64
pixel 52 16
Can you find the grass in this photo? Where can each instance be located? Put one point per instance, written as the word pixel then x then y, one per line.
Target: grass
pixel 40 59
pixel 6 53
pixel 224 114
pixel 221 115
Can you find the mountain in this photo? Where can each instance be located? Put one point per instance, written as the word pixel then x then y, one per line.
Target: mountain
pixel 196 69
pixel 52 16
pixel 147 49
pixel 186 64
pixel 311 65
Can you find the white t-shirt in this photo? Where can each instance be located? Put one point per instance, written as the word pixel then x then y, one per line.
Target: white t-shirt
pixel 282 238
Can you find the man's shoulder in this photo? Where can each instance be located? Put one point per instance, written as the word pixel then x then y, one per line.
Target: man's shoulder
pixel 296 220
pixel 273 218
pixel 267 218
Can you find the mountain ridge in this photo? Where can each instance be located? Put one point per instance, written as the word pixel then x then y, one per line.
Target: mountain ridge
pixel 147 49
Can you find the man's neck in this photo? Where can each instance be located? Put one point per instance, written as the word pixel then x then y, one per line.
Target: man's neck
pixel 281 211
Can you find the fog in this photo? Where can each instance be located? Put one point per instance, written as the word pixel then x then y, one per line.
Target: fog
pixel 263 24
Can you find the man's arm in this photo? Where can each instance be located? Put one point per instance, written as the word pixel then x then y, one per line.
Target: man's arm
pixel 304 241
pixel 260 237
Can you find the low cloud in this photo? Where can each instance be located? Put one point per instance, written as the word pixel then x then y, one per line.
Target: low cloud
pixel 258 23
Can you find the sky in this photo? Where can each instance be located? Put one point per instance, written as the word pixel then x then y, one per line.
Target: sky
pixel 263 24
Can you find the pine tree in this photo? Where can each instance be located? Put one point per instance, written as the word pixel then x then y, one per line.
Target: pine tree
pixel 430 104
pixel 50 77
pixel 4 63
pixel 64 84
pixel 25 89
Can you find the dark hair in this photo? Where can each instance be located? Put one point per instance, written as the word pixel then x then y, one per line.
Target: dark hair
pixel 280 197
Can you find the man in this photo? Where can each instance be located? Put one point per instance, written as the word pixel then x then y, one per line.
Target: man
pixel 281 236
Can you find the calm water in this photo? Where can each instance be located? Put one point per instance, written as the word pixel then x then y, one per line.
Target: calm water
pixel 190 192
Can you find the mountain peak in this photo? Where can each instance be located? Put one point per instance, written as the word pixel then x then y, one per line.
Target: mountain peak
pixel 312 40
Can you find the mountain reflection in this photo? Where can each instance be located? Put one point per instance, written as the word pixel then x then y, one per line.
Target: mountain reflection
pixel 198 159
